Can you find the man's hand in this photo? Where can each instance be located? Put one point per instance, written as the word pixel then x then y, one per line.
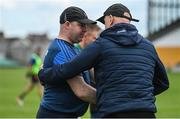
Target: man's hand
pixel 82 90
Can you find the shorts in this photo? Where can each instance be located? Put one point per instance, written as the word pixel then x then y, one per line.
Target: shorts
pixel 34 79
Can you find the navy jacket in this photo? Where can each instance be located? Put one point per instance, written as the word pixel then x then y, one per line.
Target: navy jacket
pixel 128 71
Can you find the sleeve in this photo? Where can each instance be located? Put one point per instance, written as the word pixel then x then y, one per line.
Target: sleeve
pixel 84 61
pixel 32 61
pixel 59 58
pixel 160 81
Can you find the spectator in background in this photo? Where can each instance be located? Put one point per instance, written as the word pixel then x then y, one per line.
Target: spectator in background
pixel 32 74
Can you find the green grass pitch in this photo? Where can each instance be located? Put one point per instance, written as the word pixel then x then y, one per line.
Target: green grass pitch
pixel 12 81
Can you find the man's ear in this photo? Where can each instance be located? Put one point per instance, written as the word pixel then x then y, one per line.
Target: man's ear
pixel 85 35
pixel 111 20
pixel 127 14
pixel 67 25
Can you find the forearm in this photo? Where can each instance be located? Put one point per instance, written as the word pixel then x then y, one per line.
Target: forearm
pixel 90 94
pixel 82 90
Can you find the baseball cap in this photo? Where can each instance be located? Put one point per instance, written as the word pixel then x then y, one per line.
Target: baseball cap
pixel 75 14
pixel 117 10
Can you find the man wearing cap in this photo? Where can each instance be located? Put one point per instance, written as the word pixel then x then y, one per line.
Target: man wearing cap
pixel 128 71
pixel 66 99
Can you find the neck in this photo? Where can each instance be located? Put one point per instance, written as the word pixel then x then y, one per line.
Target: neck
pixel 120 20
pixel 64 37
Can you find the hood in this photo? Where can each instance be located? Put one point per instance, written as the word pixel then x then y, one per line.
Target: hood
pixel 123 34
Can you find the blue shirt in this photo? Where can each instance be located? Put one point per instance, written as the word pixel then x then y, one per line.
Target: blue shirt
pixel 60 97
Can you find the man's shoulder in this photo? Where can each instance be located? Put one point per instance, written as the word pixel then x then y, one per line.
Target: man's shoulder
pixel 57 45
pixel 52 51
pixel 54 45
pixel 147 43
